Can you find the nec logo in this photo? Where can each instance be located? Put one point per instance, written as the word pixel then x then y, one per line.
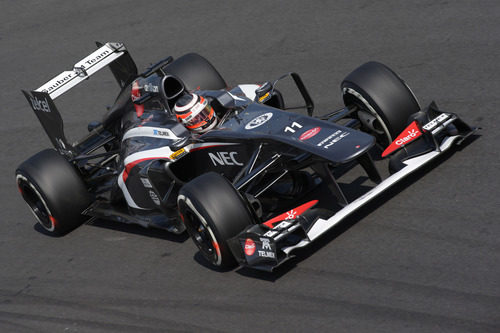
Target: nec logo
pixel 224 158
pixel 39 105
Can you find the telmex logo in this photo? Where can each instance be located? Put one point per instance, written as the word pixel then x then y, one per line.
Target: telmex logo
pixel 258 121
pixel 411 134
pixel 161 133
pixel 39 105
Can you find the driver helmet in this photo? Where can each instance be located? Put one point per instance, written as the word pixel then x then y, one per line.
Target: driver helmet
pixel 195 113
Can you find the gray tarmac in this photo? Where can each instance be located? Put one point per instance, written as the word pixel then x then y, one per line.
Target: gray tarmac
pixel 423 258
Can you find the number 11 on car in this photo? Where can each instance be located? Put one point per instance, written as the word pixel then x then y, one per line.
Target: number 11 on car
pixel 290 128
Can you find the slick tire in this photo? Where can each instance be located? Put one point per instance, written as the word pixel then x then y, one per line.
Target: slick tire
pixel 196 72
pixel 383 95
pixel 54 191
pixel 213 211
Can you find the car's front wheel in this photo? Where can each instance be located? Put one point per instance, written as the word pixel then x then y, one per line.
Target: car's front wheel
pixel 384 100
pixel 213 211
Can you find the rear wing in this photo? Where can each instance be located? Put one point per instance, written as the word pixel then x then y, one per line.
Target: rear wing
pixel 42 99
pixel 82 70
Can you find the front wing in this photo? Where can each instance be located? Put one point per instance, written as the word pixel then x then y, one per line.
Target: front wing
pixel 266 246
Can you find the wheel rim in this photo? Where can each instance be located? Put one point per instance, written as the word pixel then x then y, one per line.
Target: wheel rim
pixel 370 109
pixel 36 203
pixel 203 237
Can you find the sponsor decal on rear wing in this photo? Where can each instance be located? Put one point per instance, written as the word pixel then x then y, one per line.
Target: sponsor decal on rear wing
pixel 83 69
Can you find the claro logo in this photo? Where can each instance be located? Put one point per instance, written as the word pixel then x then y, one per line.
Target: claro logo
pixel 411 135
pixel 40 105
pixel 249 247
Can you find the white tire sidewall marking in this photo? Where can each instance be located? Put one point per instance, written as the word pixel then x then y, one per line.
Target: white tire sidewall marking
pixel 188 203
pixel 19 178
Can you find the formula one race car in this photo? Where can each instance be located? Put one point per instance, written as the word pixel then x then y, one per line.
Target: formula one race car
pixel 264 182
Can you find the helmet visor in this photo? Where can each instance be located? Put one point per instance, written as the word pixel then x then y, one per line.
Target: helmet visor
pixel 203 119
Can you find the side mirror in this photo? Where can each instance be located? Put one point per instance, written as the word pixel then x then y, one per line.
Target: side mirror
pixel 158 67
pixel 264 92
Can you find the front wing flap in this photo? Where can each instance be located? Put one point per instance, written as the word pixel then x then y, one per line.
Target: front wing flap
pixel 258 251
pixel 265 247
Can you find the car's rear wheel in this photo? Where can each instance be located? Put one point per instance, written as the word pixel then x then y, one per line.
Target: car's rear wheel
pixel 54 191
pixel 213 211
pixel 196 72
pixel 384 100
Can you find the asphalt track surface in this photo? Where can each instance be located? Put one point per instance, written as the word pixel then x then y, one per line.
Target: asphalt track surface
pixel 423 258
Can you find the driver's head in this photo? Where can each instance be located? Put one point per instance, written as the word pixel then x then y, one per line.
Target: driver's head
pixel 195 113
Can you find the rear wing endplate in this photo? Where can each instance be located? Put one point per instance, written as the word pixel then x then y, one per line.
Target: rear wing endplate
pixel 50 118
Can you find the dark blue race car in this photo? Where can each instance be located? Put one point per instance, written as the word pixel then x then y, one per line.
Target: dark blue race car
pixel 264 182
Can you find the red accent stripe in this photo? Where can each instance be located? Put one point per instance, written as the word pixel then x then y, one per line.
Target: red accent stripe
pixel 216 247
pixel 53 220
pixel 131 165
pixel 291 214
pixel 409 134
pixel 200 148
pixel 139 109
pixel 135 95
